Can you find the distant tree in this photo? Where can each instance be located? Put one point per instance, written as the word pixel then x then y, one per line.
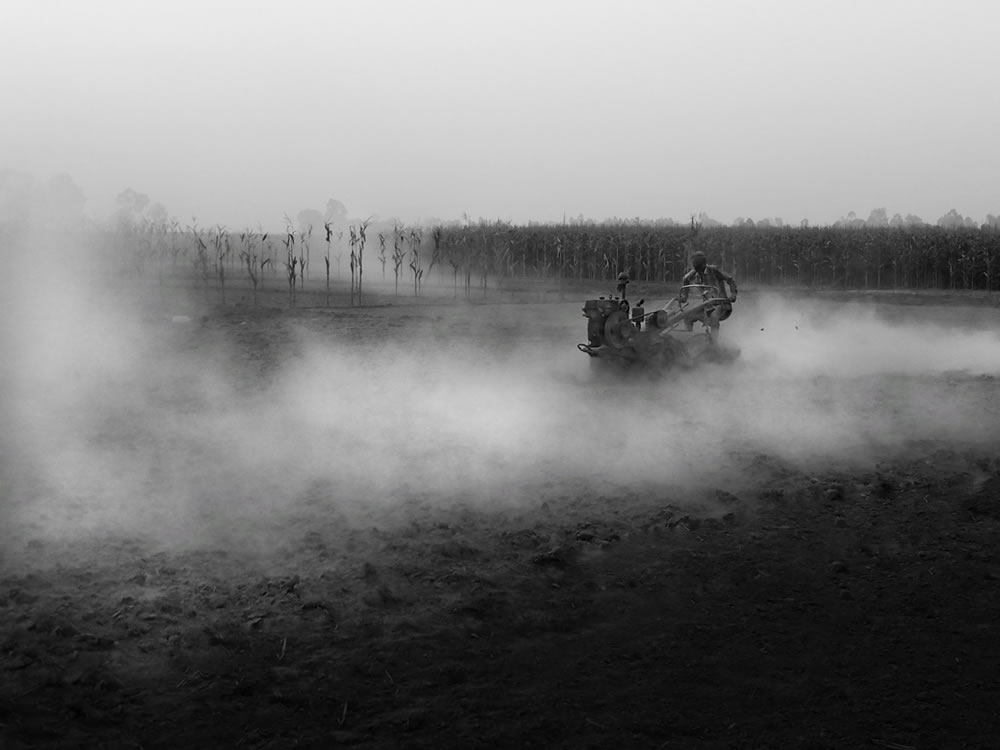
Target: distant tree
pixel 707 221
pixel 336 213
pixel 879 217
pixel 851 221
pixel 157 214
pixel 953 219
pixel 59 201
pixel 666 222
pixel 129 206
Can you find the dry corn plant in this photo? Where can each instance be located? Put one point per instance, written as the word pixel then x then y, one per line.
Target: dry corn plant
pixel 304 238
pixel 354 259
pixel 563 260
pixel 200 260
pixel 254 264
pixel 436 235
pixel 340 249
pixel 175 246
pixel 501 258
pixel 455 264
pixel 460 258
pixel 418 273
pixel 398 253
pixel 326 259
pixel 484 268
pixel 220 243
pixel 271 252
pixel 291 262
pixel 362 239
pixel 381 253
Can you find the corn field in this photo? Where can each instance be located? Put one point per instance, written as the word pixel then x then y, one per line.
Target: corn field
pixel 472 257
pixel 922 257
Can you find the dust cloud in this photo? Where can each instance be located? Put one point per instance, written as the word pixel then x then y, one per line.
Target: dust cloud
pixel 124 412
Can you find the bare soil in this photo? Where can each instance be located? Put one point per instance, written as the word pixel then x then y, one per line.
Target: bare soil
pixel 780 605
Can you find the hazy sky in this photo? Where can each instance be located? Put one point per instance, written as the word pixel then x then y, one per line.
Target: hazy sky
pixel 240 112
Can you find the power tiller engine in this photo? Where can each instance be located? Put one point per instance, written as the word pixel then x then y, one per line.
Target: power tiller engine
pixel 611 321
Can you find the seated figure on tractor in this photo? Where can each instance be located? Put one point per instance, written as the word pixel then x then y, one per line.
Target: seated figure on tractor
pixel 712 281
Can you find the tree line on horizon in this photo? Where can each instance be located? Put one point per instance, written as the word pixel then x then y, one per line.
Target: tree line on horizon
pixel 61 199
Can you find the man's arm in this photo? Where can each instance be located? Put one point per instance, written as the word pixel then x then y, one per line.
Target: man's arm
pixel 727 279
pixel 682 297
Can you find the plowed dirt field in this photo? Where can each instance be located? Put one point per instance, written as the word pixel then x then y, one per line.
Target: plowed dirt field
pixel 431 526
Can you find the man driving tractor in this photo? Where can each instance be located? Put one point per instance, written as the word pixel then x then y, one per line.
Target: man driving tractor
pixel 702 274
pixel 626 336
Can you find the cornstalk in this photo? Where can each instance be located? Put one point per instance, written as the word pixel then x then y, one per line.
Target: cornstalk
pixel 362 238
pixel 291 266
pixel 454 273
pixel 329 233
pixel 221 245
pixel 249 258
pixel 397 252
pixel 201 257
pixel 354 257
pixel 304 238
pixel 251 261
pixel 418 272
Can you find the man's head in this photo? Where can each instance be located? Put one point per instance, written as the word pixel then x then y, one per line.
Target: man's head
pixel 699 261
